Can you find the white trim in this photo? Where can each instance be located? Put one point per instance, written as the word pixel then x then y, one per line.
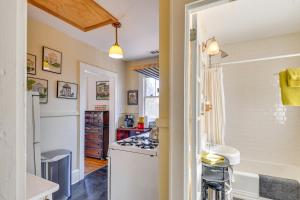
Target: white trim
pixel 49 114
pixel 190 97
pixel 141 95
pixel 92 69
pixel 75 176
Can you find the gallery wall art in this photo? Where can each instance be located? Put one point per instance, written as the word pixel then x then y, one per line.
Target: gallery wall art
pixel 67 90
pixel 52 60
pixel 31 64
pixel 132 97
pixel 102 90
pixel 40 86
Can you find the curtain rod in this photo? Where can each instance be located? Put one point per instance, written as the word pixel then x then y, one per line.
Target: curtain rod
pixel 259 59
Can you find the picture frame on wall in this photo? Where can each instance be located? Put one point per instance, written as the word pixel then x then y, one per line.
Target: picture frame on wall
pixel 132 97
pixel 67 90
pixel 52 60
pixel 102 90
pixel 31 64
pixel 40 86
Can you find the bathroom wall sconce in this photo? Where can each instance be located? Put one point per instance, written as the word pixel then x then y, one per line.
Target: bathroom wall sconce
pixel 212 48
pixel 207 107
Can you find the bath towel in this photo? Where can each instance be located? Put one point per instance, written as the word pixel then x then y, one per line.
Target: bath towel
pixel 278 188
pixel 290 95
pixel 211 159
pixel 293 77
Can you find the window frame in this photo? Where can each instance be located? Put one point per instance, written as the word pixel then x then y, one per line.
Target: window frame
pixel 144 85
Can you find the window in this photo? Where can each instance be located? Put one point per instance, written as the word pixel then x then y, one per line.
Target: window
pixel 151 98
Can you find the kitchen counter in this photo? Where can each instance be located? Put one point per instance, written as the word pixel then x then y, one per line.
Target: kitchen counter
pixel 38 188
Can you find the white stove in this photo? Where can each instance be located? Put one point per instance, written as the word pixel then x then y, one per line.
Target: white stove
pixel 133 169
pixel 137 144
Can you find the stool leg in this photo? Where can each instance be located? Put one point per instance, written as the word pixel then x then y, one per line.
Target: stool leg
pixel 223 192
pixel 217 195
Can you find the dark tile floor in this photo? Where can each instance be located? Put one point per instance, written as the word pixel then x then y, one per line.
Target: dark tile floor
pixel 93 187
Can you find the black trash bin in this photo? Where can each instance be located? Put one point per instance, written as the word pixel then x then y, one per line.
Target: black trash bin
pixel 57 167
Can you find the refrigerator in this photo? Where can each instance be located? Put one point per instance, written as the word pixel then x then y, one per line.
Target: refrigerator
pixel 33 148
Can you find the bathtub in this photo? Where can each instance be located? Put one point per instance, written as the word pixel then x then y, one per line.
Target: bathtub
pixel 246 183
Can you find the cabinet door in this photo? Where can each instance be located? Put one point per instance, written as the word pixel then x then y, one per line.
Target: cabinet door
pixel 94 153
pixel 94 136
pixel 93 144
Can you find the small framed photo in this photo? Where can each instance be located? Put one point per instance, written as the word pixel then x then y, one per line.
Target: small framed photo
pixel 40 86
pixel 102 90
pixel 52 60
pixel 132 97
pixel 31 64
pixel 67 90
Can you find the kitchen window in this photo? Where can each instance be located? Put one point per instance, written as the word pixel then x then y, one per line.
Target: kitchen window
pixel 151 98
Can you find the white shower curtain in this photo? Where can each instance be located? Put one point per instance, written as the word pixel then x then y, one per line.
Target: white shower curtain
pixel 214 120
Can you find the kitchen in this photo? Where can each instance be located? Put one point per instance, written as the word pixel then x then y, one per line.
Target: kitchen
pixel 65 97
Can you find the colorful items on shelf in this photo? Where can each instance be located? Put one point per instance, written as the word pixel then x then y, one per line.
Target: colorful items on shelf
pixel 141 123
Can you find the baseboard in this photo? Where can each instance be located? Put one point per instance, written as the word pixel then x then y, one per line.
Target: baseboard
pixel 244 195
pixel 75 176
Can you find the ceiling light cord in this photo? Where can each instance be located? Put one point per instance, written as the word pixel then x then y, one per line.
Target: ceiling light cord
pixel 117 42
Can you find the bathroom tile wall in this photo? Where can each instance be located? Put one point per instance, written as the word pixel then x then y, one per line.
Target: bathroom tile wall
pixel 251 92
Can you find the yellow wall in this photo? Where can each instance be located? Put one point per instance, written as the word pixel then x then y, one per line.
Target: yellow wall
pixel 172 18
pixel 164 31
pixel 132 80
pixel 61 131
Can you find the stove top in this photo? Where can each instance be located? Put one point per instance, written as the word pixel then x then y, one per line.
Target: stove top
pixel 142 142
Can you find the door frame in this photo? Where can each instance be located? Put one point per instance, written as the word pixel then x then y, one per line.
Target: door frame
pixel 86 69
pixel 192 107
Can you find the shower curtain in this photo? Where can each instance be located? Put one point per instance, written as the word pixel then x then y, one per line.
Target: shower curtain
pixel 214 120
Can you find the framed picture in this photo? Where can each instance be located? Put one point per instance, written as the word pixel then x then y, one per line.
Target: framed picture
pixel 52 60
pixel 40 86
pixel 31 64
pixel 102 90
pixel 67 90
pixel 132 97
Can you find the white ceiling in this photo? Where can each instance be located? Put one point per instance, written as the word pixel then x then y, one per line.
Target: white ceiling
pixel 246 20
pixel 139 33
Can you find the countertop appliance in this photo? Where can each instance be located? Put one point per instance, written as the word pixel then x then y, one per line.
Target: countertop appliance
pixel 133 169
pixel 129 121
pixel 33 147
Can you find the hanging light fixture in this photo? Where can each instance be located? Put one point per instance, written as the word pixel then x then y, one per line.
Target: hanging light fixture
pixel 116 51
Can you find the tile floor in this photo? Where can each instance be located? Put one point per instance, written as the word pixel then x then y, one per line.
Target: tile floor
pixel 93 187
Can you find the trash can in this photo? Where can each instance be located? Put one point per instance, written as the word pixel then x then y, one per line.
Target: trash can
pixel 57 167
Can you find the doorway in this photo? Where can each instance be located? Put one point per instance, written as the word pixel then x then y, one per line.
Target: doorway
pixel 90 78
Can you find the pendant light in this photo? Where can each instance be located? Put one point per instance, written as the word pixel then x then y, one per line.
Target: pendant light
pixel 116 51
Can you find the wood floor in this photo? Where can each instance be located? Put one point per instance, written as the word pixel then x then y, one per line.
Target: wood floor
pixel 92 164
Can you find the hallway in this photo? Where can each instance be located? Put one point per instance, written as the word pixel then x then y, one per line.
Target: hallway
pixel 93 187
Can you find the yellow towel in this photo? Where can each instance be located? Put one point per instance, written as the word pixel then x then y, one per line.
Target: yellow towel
pixel 293 77
pixel 211 159
pixel 290 95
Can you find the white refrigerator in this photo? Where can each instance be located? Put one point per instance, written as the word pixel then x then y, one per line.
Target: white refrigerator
pixel 33 149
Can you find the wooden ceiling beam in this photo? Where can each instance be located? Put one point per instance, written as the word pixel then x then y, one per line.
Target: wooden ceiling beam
pixel 85 15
